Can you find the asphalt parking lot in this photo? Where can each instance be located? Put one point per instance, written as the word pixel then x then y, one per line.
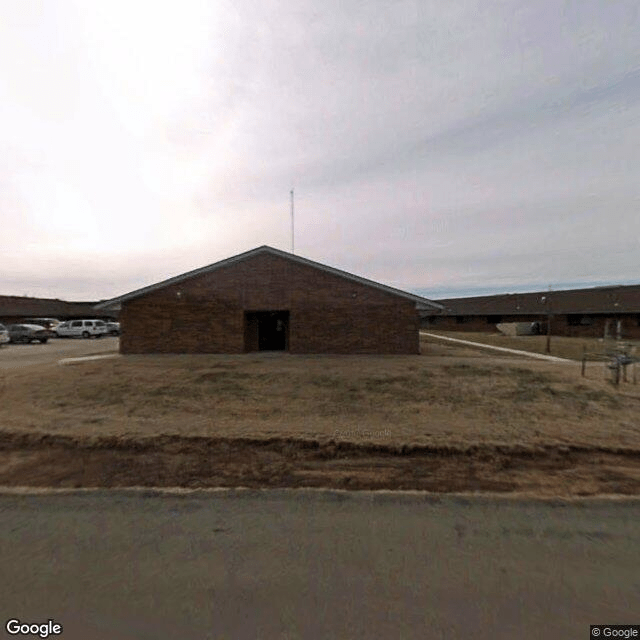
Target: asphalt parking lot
pixel 13 356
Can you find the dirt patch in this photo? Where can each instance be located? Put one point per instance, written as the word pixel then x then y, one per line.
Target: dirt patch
pixel 41 460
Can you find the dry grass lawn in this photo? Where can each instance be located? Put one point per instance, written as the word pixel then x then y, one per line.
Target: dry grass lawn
pixel 447 396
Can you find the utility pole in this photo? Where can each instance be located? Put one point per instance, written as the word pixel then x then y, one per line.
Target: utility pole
pixel 549 321
pixel 293 246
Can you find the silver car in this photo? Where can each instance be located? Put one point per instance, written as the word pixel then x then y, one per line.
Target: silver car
pixel 82 329
pixel 28 333
pixel 113 328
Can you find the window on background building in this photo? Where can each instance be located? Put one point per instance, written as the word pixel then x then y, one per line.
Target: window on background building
pixel 462 319
pixel 579 320
pixel 494 319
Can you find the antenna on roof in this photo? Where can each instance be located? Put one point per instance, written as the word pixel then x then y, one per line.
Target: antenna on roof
pixel 548 304
pixel 292 228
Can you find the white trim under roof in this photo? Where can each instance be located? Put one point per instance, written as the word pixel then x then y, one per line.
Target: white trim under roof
pixel 421 303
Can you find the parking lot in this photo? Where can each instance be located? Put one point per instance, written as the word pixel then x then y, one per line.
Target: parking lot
pixel 22 355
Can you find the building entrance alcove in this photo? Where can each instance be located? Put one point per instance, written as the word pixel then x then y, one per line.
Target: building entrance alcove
pixel 266 330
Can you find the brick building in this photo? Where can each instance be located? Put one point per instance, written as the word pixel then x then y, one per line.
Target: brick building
pixel 574 312
pixel 265 300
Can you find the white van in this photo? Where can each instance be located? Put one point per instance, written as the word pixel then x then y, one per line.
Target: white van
pixel 82 328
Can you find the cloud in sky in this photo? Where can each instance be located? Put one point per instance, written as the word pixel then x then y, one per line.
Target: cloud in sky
pixel 433 146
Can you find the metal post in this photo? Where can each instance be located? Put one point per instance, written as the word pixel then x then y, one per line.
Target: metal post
pixel 293 246
pixel 549 321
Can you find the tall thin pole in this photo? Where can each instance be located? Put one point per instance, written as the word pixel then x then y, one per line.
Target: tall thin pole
pixel 293 247
pixel 549 321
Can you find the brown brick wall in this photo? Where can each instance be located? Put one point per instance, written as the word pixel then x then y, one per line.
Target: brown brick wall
pixel 630 328
pixel 449 323
pixel 328 314
pixel 479 323
pixel 559 325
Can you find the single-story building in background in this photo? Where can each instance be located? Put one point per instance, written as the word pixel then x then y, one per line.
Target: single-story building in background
pixel 17 309
pixel 574 312
pixel 266 299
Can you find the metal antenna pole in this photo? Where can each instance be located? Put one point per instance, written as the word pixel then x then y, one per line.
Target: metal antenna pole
pixel 549 321
pixel 292 227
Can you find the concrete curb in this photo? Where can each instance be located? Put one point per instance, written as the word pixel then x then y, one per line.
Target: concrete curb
pixel 87 358
pixel 339 494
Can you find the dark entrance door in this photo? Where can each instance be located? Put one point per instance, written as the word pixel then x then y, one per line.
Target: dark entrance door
pixel 266 330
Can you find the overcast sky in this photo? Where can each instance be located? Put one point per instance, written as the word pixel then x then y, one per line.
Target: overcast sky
pixel 440 147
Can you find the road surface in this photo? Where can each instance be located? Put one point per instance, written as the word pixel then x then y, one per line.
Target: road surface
pixel 303 564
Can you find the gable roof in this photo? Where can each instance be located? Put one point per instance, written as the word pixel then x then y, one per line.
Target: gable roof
pixel 421 303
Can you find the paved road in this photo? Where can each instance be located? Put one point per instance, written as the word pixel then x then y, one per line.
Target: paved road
pixel 281 564
pixel 22 355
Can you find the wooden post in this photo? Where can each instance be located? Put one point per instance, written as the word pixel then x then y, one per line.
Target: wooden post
pixel 584 359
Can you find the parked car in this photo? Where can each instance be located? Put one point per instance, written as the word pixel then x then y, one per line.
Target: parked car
pixel 4 335
pixel 82 328
pixel 113 328
pixel 47 323
pixel 29 333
